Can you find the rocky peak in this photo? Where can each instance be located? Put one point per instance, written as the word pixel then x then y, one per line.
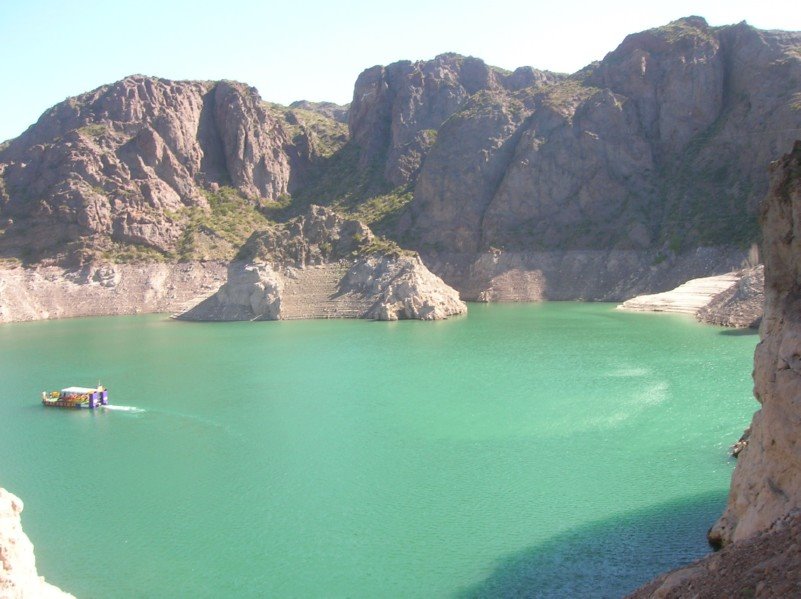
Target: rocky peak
pixel 674 74
pixel 396 110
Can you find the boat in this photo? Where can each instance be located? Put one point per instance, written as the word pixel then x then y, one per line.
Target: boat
pixel 76 397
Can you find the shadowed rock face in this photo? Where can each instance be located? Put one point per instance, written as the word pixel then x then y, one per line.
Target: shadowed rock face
pixel 764 565
pixel 767 480
pixel 663 144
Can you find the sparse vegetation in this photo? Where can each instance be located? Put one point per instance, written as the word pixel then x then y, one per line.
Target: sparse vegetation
pixel 220 231
pixel 567 93
pixel 795 101
pixel 378 208
pixel 686 28
pixel 95 130
pixel 325 135
pixel 384 246
pixel 129 253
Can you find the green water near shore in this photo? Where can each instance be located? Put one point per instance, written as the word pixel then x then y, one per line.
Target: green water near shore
pixel 559 449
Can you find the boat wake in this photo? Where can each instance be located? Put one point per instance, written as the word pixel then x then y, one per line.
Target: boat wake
pixel 130 409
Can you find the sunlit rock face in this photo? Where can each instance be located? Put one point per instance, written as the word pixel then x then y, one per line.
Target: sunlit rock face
pixel 767 480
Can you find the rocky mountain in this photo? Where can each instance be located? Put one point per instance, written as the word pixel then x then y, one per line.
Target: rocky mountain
pixel 664 143
pixel 397 110
pixel 630 176
pixel 146 164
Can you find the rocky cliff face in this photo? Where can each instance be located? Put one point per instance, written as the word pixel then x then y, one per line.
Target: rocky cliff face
pixel 767 480
pixel 663 145
pixel 767 565
pixel 397 110
pixel 321 265
pixel 18 575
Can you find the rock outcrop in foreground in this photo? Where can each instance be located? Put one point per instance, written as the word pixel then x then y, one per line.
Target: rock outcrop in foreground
pixel 18 576
pixel 734 299
pixel 321 265
pixel 760 530
pixel 768 565
pixel 767 480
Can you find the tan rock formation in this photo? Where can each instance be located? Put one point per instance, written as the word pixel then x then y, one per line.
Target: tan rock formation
pixel 321 265
pixel 767 480
pixel 687 298
pixel 734 299
pixel 45 292
pixel 18 576
pixel 739 306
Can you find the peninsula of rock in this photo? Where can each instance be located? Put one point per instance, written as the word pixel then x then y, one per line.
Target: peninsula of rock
pixel 320 265
pixel 733 299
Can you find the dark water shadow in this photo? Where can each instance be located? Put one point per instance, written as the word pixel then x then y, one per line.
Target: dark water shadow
pixel 609 558
pixel 739 332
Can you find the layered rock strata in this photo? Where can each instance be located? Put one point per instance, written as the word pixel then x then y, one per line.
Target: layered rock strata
pixel 766 483
pixel 734 299
pixel 321 265
pixel 740 306
pixel 45 292
pixel 18 576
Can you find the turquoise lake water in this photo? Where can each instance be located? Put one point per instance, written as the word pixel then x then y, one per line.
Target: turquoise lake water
pixel 551 450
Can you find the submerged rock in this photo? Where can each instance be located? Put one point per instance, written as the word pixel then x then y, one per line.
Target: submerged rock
pixel 18 575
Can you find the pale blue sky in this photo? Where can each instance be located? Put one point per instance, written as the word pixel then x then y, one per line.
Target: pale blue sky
pixel 53 49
